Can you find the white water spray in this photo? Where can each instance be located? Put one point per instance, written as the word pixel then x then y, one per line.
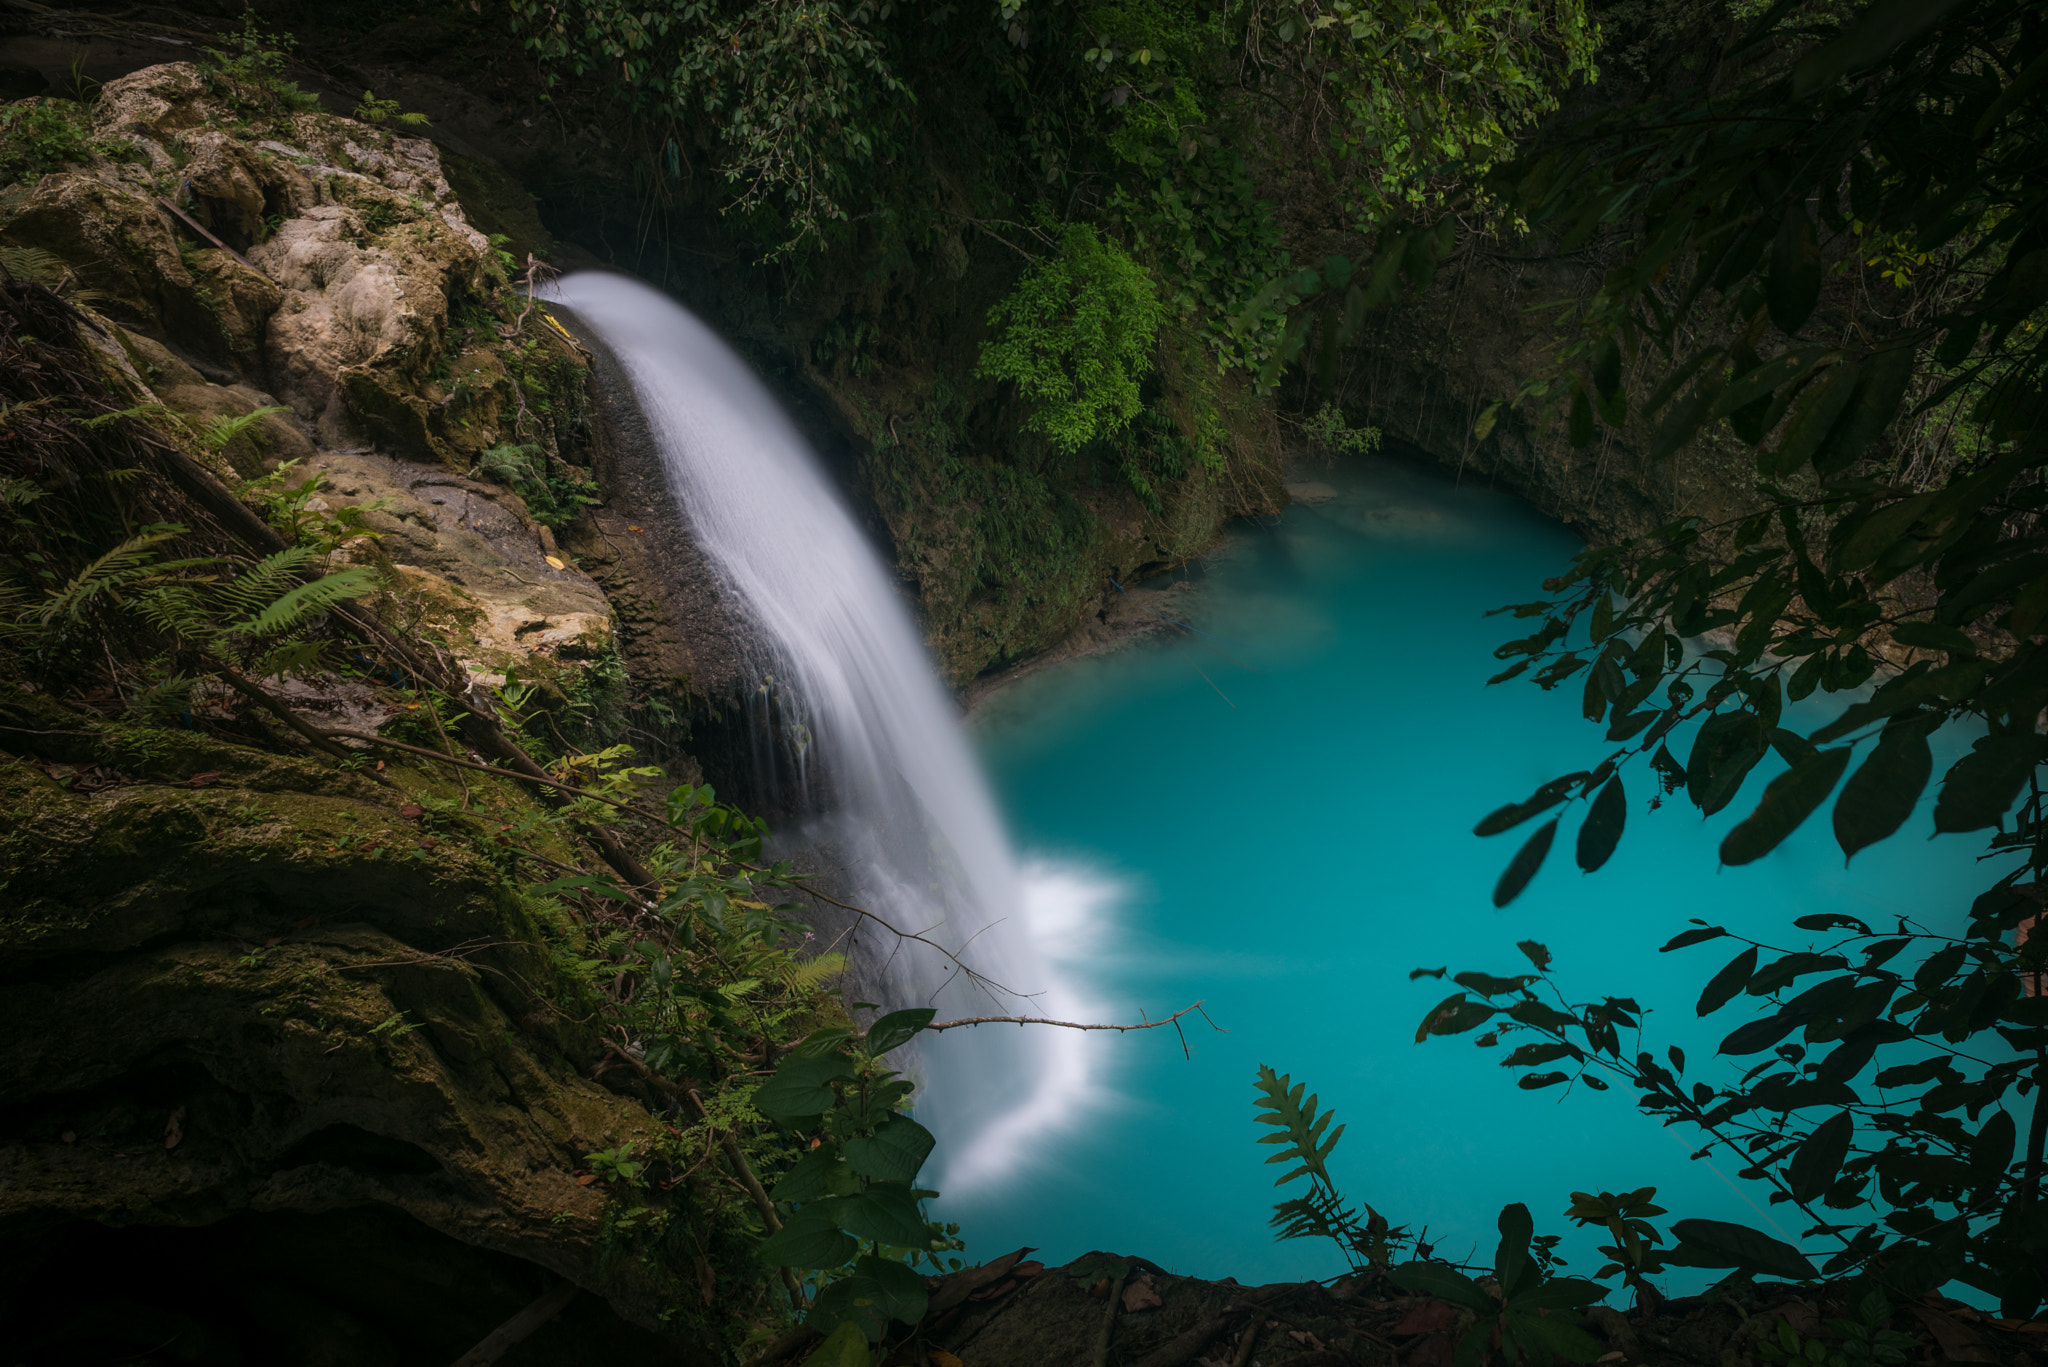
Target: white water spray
pixel 907 803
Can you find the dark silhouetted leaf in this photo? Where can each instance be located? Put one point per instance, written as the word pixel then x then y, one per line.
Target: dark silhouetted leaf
pixel 1687 938
pixel 1744 1248
pixel 1727 748
pixel 1794 284
pixel 1454 1015
pixel 1601 830
pixel 1515 813
pixel 1732 978
pixel 1524 865
pixel 1819 1159
pixel 1981 786
pixel 1759 1035
pixel 1792 797
pixel 1866 40
pixel 1814 416
pixel 1880 795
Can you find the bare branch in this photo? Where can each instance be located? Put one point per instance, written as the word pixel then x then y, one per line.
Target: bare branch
pixel 1072 1025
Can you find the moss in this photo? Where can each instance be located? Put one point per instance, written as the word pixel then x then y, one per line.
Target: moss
pixel 499 206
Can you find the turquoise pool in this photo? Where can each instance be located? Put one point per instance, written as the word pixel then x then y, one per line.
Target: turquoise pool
pixel 1276 819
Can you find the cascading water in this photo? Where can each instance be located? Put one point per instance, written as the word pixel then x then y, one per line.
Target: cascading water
pixel 895 790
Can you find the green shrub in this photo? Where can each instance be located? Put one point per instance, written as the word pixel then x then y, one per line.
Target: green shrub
pixel 1076 334
pixel 40 136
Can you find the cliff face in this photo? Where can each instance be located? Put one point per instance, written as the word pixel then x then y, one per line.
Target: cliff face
pixel 292 1069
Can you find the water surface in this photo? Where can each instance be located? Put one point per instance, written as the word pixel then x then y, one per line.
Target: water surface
pixel 1276 819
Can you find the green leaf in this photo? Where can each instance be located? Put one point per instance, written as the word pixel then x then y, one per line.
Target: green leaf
pixel 886 1213
pixel 1981 786
pixel 1745 1248
pixel 1524 865
pixel 1880 795
pixel 1794 285
pixel 894 1153
pixel 819 1173
pixel 1434 1279
pixel 877 1291
pixel 801 1088
pixel 846 1346
pixel 897 1029
pixel 1818 1161
pixel 1601 830
pixel 1732 978
pixel 1792 797
pixel 809 1239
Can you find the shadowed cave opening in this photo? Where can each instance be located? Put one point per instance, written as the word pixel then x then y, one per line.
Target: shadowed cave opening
pixel 357 1287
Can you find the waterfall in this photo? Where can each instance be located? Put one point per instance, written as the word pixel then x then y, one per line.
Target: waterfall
pixel 892 786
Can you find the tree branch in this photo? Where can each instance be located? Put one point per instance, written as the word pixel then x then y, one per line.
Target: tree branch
pixel 1072 1025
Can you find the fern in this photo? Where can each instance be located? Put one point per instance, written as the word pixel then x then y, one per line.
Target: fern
pixel 803 976
pixel 259 586
pixel 292 609
pixel 163 701
pixel 132 560
pixel 140 410
pixel 223 432
pixel 32 265
pixel 19 493
pixel 1301 1128
pixel 1308 1140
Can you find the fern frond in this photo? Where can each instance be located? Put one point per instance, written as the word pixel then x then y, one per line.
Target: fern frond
pixel 222 432
pixel 19 493
pixel 293 657
pixel 260 585
pixel 1301 1128
pixel 140 410
pixel 163 701
pixel 175 609
pixel 33 265
pixel 1318 1215
pixel 127 562
pixel 802 976
pixel 305 601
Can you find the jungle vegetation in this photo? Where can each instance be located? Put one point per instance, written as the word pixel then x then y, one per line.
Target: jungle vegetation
pixel 1831 239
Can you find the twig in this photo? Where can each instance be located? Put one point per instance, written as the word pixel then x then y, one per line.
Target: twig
pixel 1108 1330
pixel 741 1168
pixel 196 227
pixel 501 1340
pixel 1070 1025
pixel 480 768
pixel 1243 1354
pixel 913 935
